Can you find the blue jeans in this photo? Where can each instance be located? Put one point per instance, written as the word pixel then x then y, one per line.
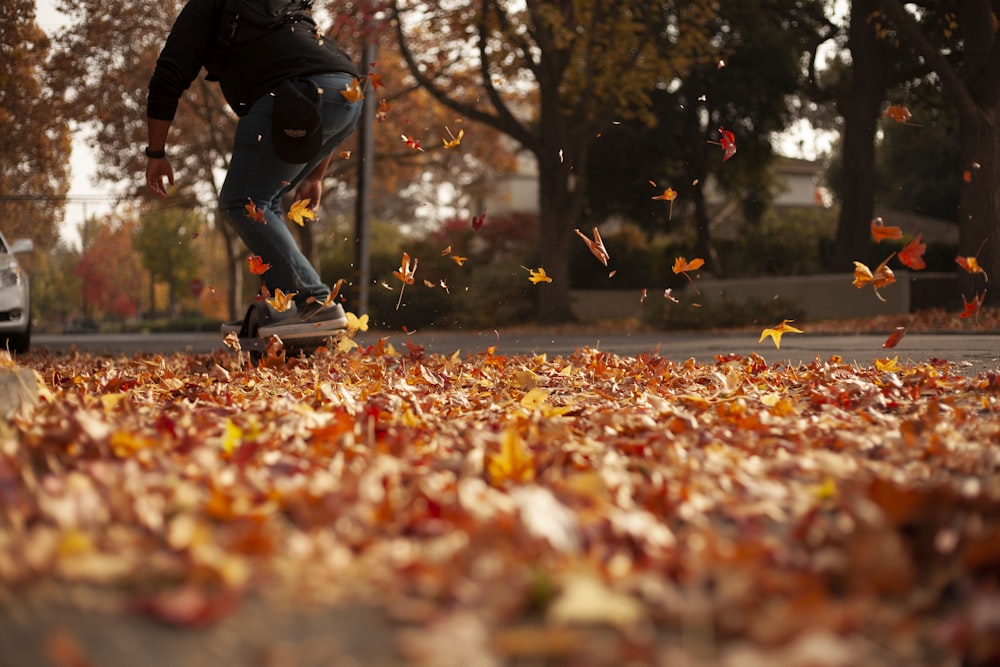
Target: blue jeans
pixel 257 174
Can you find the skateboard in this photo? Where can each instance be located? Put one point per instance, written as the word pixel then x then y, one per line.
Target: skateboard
pixel 261 314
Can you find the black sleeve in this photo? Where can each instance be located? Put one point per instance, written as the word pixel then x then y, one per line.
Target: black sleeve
pixel 185 52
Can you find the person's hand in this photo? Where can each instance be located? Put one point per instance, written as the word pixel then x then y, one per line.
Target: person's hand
pixel 311 189
pixel 156 170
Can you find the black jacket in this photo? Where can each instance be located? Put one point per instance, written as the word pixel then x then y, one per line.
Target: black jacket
pixel 245 71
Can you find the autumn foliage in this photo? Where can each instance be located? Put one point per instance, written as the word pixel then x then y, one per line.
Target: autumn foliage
pixel 732 508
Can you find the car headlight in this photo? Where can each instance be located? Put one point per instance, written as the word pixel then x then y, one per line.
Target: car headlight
pixel 10 278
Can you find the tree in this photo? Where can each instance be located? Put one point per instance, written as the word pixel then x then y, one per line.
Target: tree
pixel 963 48
pixel 109 269
pixel 34 143
pixel 551 74
pixel 918 166
pixel 749 90
pixel 164 238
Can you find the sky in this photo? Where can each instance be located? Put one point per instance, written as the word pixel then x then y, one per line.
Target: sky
pixel 88 198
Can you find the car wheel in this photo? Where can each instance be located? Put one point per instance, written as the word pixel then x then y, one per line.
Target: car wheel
pixel 20 343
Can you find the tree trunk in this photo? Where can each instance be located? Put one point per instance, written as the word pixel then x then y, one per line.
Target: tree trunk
pixel 979 203
pixel 559 204
pixel 861 111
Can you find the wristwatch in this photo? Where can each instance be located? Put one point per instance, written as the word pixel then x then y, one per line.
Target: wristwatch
pixel 162 153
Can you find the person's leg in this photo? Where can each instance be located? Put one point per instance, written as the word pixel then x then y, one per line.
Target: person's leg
pixel 256 175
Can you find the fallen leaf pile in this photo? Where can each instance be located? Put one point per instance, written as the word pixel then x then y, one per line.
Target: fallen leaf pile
pixel 581 509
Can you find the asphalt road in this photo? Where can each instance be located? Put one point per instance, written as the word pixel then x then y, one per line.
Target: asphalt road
pixel 976 352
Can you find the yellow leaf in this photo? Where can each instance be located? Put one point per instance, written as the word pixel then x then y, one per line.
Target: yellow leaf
pixel 300 212
pixel 534 398
pixel 281 301
pixel 888 365
pixel 776 332
pixel 355 323
pixel 513 462
pixel 538 276
pixel 232 437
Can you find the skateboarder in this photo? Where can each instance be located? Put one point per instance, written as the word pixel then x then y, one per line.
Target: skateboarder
pixel 283 81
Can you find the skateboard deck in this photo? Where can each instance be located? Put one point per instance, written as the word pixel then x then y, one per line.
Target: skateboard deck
pixel 262 314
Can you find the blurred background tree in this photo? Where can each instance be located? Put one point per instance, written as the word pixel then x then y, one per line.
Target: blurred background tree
pixel 35 141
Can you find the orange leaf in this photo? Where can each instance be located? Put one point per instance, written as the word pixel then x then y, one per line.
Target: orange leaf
pixel 971 264
pixel 459 260
pixel 254 213
pixel 257 265
pixel 352 92
pixel 881 233
pixel 405 273
pixel 894 337
pixel 596 246
pixel 881 277
pixel 971 308
pixel 776 332
pixel 681 265
pixel 912 254
pixel 898 113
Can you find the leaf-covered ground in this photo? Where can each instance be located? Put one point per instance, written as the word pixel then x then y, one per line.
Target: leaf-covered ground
pixel 525 510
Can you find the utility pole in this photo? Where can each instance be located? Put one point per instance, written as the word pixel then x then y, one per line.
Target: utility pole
pixel 363 201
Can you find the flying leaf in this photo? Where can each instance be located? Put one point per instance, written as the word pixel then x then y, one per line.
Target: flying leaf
pixel 412 143
pixel 355 323
pixel 300 212
pixel 668 195
pixel 881 277
pixel 281 301
pixel 728 143
pixel 880 232
pixel 681 265
pixel 405 274
pixel 596 246
pixel 459 260
pixel 894 337
pixel 254 213
pixel 257 265
pixel 452 141
pixel 776 332
pixel 353 92
pixel 912 254
pixel 971 264
pixel 899 113
pixel 971 308
pixel 538 275
pixel 477 222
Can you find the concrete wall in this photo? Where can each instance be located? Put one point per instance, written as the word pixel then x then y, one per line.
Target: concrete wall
pixel 820 297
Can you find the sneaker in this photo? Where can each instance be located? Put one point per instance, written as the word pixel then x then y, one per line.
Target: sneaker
pixel 312 321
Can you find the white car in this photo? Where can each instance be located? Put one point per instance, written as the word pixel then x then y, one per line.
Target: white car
pixel 15 297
